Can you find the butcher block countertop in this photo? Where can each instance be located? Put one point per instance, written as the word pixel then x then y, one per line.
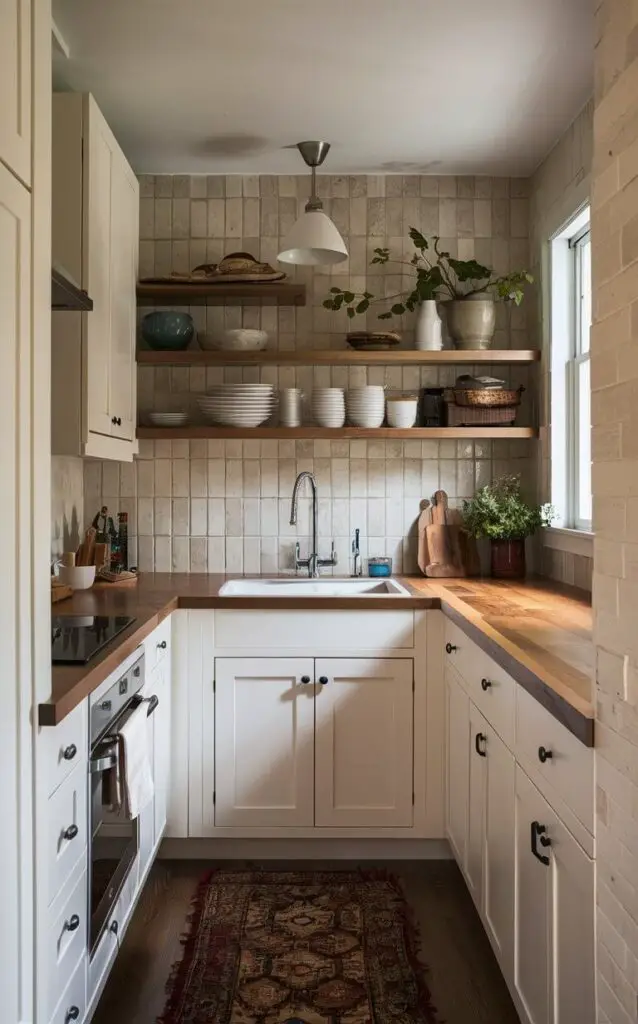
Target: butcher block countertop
pixel 540 632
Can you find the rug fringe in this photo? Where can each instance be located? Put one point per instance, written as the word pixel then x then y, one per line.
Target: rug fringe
pixel 174 987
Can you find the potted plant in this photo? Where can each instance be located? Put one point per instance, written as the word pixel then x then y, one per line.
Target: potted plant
pixel 499 512
pixel 467 287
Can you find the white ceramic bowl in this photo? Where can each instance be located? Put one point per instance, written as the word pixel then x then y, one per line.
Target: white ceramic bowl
pixel 240 339
pixel 402 412
pixel 80 577
pixel 168 419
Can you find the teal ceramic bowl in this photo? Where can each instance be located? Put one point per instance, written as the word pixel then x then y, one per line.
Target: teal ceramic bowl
pixel 166 331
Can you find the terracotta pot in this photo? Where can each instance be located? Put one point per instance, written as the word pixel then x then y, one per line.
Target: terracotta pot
pixel 471 322
pixel 508 559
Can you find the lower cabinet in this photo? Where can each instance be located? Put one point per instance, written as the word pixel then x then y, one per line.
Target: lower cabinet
pixel 554 968
pixel 314 742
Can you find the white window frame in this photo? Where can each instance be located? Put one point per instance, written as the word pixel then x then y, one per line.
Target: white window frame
pixel 567 356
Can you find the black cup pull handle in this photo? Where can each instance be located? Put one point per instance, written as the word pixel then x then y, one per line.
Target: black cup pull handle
pixel 450 648
pixel 114 927
pixel 305 680
pixel 485 685
pixel 69 752
pixel 480 742
pixel 323 680
pixel 544 754
pixel 72 1013
pixel 70 832
pixel 73 923
pixel 162 645
pixel 538 832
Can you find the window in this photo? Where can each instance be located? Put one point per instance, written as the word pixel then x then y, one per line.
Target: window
pixel 571 304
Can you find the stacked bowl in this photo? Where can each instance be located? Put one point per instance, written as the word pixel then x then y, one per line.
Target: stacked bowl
pixel 366 406
pixel 329 407
pixel 238 405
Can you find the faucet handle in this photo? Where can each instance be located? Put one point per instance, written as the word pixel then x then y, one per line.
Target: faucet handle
pixel 333 553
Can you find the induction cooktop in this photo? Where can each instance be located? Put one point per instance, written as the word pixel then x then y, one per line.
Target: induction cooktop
pixel 75 639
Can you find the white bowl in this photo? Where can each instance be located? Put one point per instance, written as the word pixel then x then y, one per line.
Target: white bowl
pixel 369 391
pixel 80 577
pixel 366 418
pixel 168 419
pixel 402 412
pixel 238 339
pixel 332 420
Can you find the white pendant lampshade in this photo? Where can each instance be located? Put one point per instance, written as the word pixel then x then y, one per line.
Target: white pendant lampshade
pixel 313 239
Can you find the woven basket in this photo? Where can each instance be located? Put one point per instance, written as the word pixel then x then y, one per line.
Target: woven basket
pixel 477 415
pixel 487 398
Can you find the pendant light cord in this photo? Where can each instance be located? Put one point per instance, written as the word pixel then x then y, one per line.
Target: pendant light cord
pixel 314 203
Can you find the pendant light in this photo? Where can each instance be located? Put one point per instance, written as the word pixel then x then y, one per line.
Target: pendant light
pixel 313 240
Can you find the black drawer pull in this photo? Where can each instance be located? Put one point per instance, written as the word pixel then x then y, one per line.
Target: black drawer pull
pixel 70 832
pixel 538 832
pixel 114 927
pixel 479 739
pixel 72 924
pixel 323 680
pixel 69 752
pixel 544 755
pixel 162 645
pixel 305 680
pixel 72 1013
pixel 485 685
pixel 450 647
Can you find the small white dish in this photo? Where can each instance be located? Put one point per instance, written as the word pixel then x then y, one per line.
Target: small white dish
pixel 239 339
pixel 79 577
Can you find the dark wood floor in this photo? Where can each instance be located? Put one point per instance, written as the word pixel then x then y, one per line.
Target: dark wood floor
pixel 466 984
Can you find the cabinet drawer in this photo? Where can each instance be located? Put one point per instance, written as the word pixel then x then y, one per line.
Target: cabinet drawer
pixel 64 747
pixel 67 940
pixel 157 646
pixel 66 830
pixel 570 768
pixel 72 1006
pixel 489 686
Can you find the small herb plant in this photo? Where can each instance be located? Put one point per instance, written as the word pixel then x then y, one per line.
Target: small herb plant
pixel 438 275
pixel 500 512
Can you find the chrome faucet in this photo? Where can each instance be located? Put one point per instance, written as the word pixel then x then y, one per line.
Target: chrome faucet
pixel 357 567
pixel 312 563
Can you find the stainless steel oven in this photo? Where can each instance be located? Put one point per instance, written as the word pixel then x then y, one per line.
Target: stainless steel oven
pixel 114 839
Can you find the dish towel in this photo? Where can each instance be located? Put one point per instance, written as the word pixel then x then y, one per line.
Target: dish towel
pixel 136 777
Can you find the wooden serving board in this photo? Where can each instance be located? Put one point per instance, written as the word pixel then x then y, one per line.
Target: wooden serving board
pixel 59 592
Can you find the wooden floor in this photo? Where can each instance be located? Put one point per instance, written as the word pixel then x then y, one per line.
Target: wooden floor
pixel 466 984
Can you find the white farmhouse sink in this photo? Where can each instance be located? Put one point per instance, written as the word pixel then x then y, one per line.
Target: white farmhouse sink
pixel 327 587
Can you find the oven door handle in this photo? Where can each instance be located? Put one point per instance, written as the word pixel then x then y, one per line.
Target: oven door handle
pixel 102 764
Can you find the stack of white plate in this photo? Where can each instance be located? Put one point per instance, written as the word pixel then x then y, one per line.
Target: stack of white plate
pixel 168 419
pixel 238 405
pixel 366 406
pixel 329 407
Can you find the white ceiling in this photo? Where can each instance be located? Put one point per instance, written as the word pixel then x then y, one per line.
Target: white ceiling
pixel 411 86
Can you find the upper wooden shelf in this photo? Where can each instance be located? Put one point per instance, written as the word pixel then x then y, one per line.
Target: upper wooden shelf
pixel 306 433
pixel 337 357
pixel 275 293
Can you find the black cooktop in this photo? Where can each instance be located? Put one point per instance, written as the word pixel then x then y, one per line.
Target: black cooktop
pixel 76 638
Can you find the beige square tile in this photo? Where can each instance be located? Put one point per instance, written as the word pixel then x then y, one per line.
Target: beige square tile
pixel 234 218
pixel 198 186
pixel 216 218
pixel 199 219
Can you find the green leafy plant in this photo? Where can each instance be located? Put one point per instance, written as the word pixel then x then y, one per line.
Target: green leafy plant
pixel 500 512
pixel 438 275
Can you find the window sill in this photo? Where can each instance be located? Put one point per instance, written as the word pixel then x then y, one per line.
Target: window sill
pixel 575 542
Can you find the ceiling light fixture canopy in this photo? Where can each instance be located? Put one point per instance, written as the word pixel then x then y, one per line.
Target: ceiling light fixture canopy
pixel 313 240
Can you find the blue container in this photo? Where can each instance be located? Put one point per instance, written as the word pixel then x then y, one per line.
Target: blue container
pixel 168 331
pixel 379 567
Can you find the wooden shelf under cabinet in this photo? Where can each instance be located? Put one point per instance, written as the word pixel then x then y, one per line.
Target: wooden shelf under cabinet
pixel 233 293
pixel 338 357
pixel 340 433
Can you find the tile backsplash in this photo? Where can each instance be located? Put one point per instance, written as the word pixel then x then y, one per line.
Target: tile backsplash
pixel 225 505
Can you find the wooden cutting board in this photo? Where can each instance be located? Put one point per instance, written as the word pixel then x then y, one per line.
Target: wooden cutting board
pixel 425 520
pixel 443 542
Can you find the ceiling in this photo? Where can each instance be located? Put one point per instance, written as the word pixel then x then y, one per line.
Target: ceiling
pixel 406 86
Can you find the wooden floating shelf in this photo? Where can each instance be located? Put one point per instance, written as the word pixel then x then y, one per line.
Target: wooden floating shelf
pixel 340 433
pixel 276 293
pixel 337 357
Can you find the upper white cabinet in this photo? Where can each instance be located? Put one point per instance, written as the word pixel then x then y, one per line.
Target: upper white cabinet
pixel 95 240
pixel 15 87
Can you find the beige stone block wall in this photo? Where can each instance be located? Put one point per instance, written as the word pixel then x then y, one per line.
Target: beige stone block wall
pixel 615 488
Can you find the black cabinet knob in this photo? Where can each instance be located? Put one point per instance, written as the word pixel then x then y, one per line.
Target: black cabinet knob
pixel 162 645
pixel 73 923
pixel 136 671
pixel 72 1013
pixel 70 832
pixel 116 421
pixel 544 755
pixel 114 927
pixel 305 679
pixel 450 647
pixel 323 680
pixel 69 752
pixel 479 744
pixel 485 685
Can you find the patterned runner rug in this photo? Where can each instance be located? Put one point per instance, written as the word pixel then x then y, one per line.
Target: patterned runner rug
pixel 317 947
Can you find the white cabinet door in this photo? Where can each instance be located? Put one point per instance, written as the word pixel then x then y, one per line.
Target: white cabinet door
pixel 15 87
pixel 363 743
pixel 533 907
pixel 264 741
pixel 499 849
pixel 124 255
pixel 476 805
pixel 160 686
pixel 457 727
pixel 15 344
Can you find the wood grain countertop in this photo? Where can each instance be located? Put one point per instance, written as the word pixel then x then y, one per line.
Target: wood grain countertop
pixel 540 632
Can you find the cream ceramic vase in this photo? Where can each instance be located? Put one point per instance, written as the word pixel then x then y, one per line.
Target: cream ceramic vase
pixel 471 322
pixel 428 332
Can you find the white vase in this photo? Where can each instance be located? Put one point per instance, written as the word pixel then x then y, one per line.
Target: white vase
pixel 429 336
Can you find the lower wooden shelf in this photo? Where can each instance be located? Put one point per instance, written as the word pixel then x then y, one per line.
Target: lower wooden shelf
pixel 353 433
